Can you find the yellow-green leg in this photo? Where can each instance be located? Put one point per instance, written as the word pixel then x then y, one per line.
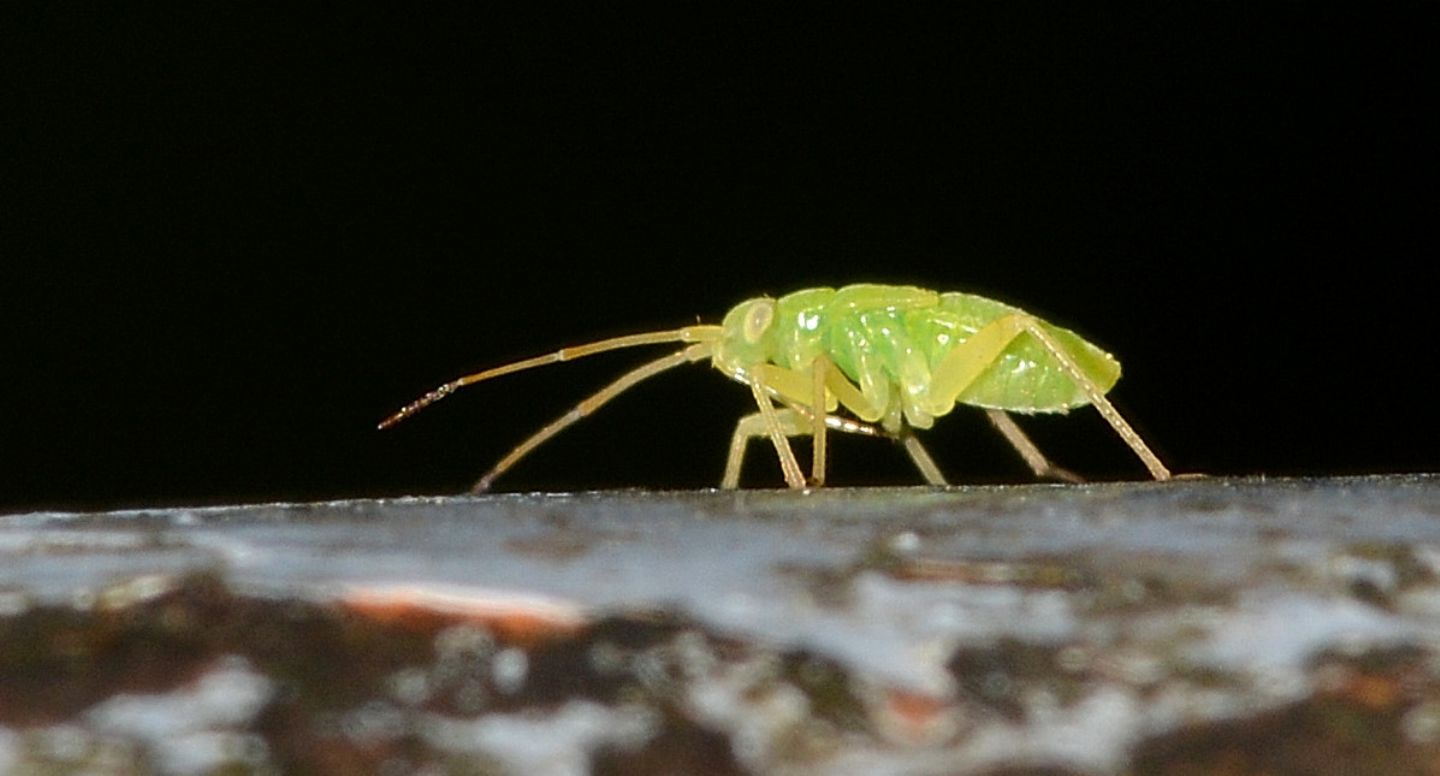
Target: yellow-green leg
pixel 921 457
pixel 969 360
pixel 795 422
pixel 1036 460
pixel 818 371
pixel 772 427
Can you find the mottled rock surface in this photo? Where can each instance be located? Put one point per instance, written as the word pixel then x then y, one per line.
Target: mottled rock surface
pixel 1207 626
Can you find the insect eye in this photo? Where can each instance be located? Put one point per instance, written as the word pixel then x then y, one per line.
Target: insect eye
pixel 758 320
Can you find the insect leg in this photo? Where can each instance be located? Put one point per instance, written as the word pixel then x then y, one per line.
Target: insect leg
pixel 1097 398
pixel 922 459
pixel 593 402
pixel 796 388
pixel 797 422
pixel 753 425
pixel 788 465
pixel 850 396
pixel 968 361
pixel 818 370
pixel 825 386
pixel 820 390
pixel 793 422
pixel 1036 460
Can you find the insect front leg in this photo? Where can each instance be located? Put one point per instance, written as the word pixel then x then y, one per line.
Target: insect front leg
pixel 794 422
pixel 770 419
pixel 807 390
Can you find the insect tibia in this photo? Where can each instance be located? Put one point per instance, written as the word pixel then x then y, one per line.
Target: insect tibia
pixel 419 404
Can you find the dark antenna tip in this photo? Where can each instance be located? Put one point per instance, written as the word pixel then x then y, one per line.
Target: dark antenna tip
pixel 417 405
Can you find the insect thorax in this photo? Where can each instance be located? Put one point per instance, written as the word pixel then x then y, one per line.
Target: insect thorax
pixel 862 329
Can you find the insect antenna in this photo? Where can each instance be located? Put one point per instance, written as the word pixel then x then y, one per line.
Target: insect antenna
pixel 697 333
pixel 590 404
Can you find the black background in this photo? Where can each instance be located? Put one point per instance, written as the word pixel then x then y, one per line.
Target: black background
pixel 235 239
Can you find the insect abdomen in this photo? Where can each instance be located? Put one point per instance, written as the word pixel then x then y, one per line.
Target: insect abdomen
pixel 1026 378
pixel 889 339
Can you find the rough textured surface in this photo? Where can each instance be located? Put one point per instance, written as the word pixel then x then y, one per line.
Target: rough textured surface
pixel 1192 627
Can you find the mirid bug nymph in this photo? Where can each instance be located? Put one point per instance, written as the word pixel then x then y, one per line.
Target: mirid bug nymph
pixel 895 356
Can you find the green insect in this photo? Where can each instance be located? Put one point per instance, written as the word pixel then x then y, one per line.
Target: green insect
pixel 895 356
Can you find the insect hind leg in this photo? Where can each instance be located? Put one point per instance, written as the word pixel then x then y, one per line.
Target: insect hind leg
pixel 969 360
pixel 1036 460
pixel 1097 398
